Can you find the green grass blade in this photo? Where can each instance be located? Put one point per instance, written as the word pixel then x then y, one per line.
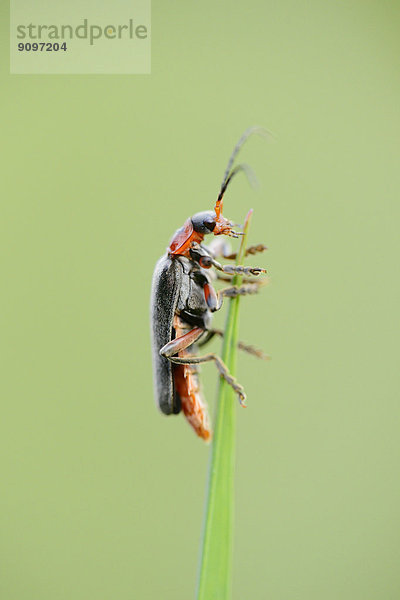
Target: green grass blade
pixel 217 544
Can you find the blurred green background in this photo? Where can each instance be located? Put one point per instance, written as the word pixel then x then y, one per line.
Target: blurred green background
pixel 102 497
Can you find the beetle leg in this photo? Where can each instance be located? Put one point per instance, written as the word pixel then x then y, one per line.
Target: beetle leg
pixel 233 291
pixel 238 269
pixel 218 247
pixel 250 250
pixel 243 290
pixel 228 277
pixel 250 349
pixel 222 368
pixel 209 336
pixel 211 297
pixel 180 343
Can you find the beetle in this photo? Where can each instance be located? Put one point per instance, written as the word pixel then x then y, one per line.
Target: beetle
pixel 183 300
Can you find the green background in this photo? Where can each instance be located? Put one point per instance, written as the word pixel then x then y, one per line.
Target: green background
pixel 102 497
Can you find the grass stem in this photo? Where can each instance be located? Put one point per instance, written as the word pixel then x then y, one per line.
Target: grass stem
pixel 217 543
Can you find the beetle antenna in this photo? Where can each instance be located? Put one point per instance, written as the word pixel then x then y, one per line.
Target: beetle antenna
pixel 250 176
pixel 250 131
pixel 242 167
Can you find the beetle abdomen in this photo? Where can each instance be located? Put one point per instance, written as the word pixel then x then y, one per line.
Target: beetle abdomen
pixel 194 408
pixel 187 387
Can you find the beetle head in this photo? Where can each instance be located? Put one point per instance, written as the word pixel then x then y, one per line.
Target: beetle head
pixel 213 222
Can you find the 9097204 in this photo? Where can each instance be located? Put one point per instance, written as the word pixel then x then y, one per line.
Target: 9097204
pixel 42 46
